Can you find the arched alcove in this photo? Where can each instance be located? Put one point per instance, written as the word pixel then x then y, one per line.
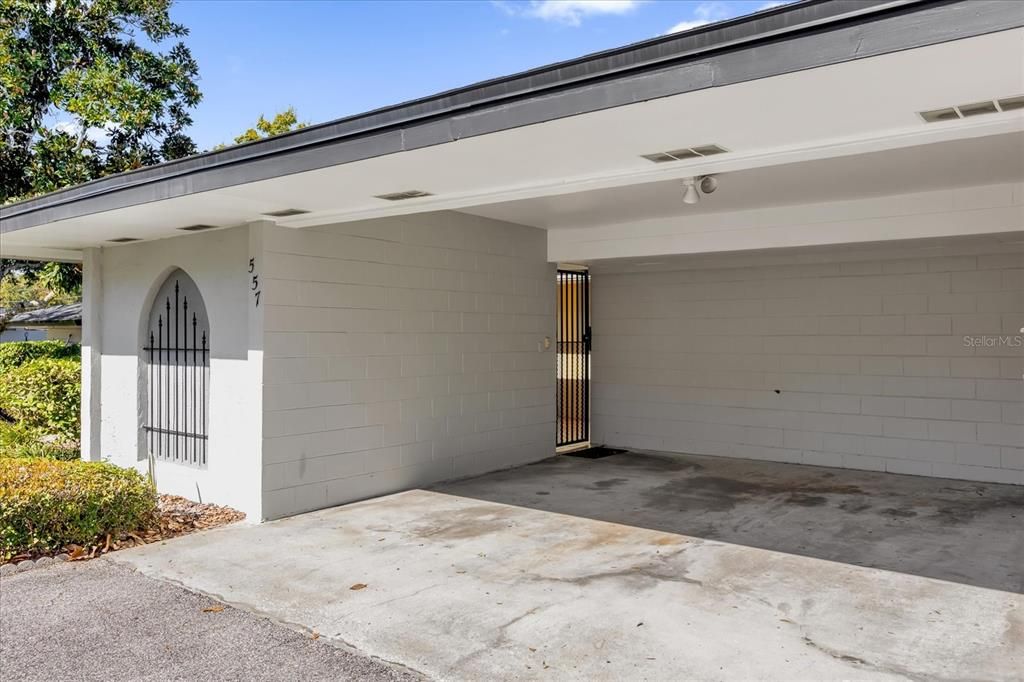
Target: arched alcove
pixel 176 357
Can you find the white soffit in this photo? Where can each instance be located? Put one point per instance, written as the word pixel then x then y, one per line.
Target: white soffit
pixel 850 108
pixel 996 159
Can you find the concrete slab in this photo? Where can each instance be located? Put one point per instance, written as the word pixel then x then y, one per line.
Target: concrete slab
pixel 762 583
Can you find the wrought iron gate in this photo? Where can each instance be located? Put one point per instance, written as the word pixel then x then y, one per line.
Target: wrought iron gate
pixel 178 364
pixel 573 345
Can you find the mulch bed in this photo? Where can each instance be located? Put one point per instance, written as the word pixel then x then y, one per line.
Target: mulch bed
pixel 177 516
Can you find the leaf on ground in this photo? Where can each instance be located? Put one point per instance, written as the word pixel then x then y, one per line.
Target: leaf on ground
pixel 358 586
pixel 217 608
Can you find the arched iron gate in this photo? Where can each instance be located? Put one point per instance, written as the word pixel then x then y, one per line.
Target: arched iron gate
pixel 178 359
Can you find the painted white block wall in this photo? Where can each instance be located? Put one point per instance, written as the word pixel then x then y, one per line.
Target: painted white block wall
pixel 858 364
pixel 131 275
pixel 400 352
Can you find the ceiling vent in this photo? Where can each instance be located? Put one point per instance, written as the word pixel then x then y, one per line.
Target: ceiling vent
pixel 402 196
pixel 955 113
pixel 196 228
pixel 1011 103
pixel 285 212
pixel 123 240
pixel 688 153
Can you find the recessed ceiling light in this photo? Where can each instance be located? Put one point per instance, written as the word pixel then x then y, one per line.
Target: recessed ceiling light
pixel 285 212
pixel 123 240
pixel 196 228
pixel 401 196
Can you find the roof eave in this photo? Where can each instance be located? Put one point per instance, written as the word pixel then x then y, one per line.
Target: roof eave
pixel 460 113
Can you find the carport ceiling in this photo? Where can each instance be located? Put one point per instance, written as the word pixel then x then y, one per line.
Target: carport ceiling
pixel 947 165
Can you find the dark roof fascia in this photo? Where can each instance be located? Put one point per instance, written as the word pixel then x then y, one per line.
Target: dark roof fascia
pixel 771 42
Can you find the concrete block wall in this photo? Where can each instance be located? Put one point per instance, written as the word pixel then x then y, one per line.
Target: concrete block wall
pixel 911 365
pixel 400 352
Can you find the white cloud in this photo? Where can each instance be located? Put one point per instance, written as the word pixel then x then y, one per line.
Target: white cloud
pixel 686 26
pixel 703 13
pixel 99 136
pixel 569 12
pixel 769 5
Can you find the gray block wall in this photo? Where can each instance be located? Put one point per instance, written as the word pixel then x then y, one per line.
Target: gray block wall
pixel 400 352
pixel 889 363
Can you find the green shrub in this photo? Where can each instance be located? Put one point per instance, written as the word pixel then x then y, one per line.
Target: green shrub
pixel 44 394
pixel 18 353
pixel 19 440
pixel 46 505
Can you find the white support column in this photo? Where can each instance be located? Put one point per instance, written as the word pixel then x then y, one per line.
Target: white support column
pixel 92 351
pixel 257 303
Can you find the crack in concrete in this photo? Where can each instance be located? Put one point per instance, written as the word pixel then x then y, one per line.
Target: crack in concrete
pixel 857 662
pixel 400 597
pixel 501 639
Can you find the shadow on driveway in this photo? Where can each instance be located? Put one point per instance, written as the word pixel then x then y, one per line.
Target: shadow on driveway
pixel 971 533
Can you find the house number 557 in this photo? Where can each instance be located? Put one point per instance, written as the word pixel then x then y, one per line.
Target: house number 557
pixel 255 283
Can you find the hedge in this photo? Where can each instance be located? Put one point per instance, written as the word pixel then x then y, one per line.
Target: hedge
pixel 19 440
pixel 18 353
pixel 44 394
pixel 46 504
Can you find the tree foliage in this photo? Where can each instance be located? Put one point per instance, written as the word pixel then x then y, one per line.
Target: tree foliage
pixel 283 122
pixel 88 88
pixel 81 96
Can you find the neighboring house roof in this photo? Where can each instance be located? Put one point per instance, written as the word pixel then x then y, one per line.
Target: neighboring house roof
pixel 755 46
pixel 70 314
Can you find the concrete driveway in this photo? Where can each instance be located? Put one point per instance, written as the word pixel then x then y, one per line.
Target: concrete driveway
pixel 643 566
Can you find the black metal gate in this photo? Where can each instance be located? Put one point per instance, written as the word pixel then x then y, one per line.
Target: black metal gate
pixel 179 360
pixel 573 345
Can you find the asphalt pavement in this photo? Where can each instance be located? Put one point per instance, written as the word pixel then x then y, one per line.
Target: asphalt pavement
pixel 96 620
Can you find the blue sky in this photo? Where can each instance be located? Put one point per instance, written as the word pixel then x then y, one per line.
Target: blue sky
pixel 332 59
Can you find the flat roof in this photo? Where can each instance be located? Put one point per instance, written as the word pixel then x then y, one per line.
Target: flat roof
pixel 731 51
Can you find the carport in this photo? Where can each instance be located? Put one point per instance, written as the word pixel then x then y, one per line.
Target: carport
pixel 802 232
pixel 643 566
